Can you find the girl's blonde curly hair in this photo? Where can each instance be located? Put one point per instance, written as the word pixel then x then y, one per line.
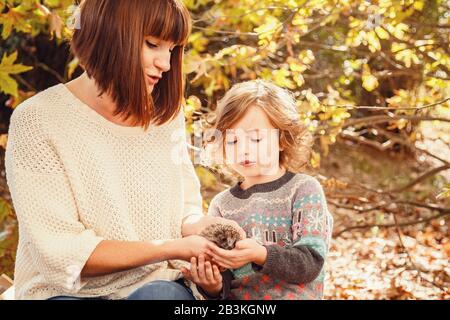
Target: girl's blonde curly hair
pixel 280 107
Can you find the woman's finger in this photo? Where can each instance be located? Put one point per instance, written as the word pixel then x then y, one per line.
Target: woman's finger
pixel 186 274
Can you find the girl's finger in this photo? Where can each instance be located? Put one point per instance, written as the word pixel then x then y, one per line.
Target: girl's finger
pixel 217 275
pixel 209 272
pixel 194 272
pixel 216 251
pixel 222 269
pixel 201 268
pixel 222 263
pixel 219 257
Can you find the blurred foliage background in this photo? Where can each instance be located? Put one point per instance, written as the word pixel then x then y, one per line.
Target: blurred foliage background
pixel 372 84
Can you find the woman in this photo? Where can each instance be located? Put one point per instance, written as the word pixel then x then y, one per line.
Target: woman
pixel 93 167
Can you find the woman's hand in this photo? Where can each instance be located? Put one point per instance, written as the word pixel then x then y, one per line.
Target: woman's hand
pixel 205 275
pixel 246 251
pixel 192 246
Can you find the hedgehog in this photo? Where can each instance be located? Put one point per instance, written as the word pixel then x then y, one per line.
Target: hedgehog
pixel 223 235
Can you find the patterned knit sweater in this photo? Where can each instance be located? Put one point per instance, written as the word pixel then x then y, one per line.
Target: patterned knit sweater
pixel 289 216
pixel 76 179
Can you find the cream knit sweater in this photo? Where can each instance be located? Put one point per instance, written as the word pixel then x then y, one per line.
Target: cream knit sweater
pixel 76 179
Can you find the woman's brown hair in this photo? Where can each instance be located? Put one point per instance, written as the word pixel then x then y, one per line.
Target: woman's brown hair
pixel 280 107
pixel 109 42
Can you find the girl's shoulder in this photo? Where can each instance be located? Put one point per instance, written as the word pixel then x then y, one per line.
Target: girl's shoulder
pixel 306 185
pixel 221 197
pixel 303 178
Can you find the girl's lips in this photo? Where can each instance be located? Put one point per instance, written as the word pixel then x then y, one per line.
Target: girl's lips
pixel 247 163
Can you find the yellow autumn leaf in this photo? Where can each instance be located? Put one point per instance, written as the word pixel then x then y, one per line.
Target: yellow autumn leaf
pixel 369 81
pixel 315 160
pixel 3 140
pixel 381 33
pixel 313 100
pixel 72 66
pixel 266 30
pixel 193 104
pixel 299 80
pixel 7 67
pixel 207 179
pixel 373 41
pixel 418 5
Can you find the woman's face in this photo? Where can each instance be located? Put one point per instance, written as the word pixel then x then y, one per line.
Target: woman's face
pixel 156 59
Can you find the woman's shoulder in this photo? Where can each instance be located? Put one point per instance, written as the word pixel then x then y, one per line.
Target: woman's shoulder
pixel 35 107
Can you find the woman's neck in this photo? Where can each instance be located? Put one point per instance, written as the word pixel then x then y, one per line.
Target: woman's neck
pixel 86 90
pixel 253 180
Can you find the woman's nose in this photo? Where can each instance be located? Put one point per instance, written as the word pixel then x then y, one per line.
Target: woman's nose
pixel 162 61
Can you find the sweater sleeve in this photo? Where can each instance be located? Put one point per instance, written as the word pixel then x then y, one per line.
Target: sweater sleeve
pixel 45 207
pixel 191 183
pixel 213 209
pixel 303 261
pixel 299 264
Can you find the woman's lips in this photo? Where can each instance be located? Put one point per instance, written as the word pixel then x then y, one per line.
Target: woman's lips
pixel 152 80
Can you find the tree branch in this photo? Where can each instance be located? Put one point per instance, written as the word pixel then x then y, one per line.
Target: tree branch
pixel 422 177
pixel 390 225
pixel 389 108
pixel 385 118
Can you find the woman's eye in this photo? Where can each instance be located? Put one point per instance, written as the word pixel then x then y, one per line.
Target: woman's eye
pixel 231 142
pixel 256 140
pixel 150 45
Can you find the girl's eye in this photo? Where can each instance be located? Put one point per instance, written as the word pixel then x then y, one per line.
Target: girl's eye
pixel 231 142
pixel 256 140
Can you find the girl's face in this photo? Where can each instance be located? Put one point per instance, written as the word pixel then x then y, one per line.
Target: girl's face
pixel 252 145
pixel 156 59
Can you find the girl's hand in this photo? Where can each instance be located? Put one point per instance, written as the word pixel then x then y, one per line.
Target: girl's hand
pixel 246 251
pixel 204 275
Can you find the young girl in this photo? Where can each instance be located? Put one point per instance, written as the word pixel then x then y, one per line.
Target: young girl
pixel 283 212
